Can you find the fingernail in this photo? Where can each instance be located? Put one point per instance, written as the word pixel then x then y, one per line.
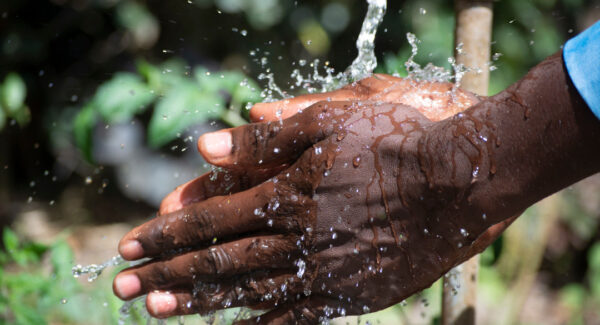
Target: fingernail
pixel 160 303
pixel 131 250
pixel 216 144
pixel 127 285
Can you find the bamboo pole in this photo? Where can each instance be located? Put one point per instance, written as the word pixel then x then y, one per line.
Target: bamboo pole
pixel 473 31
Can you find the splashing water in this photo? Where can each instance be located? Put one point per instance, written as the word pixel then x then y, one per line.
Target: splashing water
pixel 93 271
pixel 365 61
pixel 363 65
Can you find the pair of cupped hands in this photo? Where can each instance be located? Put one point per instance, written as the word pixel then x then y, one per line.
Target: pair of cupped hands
pixel 321 208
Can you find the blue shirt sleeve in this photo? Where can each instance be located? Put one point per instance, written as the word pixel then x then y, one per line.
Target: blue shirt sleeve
pixel 582 58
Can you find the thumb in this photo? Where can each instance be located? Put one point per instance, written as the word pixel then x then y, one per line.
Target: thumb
pixel 270 144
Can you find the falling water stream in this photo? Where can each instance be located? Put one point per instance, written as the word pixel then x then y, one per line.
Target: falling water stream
pixel 315 81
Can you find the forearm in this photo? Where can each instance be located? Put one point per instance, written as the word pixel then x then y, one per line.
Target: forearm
pixel 515 148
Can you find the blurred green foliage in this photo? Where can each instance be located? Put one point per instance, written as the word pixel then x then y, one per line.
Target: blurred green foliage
pixel 28 295
pixel 179 101
pixel 37 287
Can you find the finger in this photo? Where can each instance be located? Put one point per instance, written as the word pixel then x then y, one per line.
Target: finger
pixel 215 183
pixel 282 109
pixel 271 143
pixel 220 217
pixel 208 265
pixel 361 90
pixel 264 290
pixel 490 235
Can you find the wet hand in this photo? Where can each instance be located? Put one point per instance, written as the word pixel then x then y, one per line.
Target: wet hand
pixel 341 230
pixel 435 100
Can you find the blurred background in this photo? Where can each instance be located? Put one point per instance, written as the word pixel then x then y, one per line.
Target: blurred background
pixel 101 103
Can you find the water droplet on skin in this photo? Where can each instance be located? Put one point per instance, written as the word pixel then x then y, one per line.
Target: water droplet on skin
pixel 356 161
pixel 464 232
pixel 301 268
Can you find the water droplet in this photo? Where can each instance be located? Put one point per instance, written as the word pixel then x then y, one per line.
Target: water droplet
pixel 244 32
pixel 301 268
pixel 63 301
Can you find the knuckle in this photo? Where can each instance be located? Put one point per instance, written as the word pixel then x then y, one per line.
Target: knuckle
pixel 220 261
pixel 158 276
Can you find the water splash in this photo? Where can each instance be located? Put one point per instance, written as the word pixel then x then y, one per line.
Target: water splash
pixel 365 61
pixel 434 73
pixel 316 81
pixel 93 271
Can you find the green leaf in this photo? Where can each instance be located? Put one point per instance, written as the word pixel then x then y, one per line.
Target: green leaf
pixel 246 91
pixel 151 73
pixel 83 126
pixel 10 240
pixel 61 258
pixel 13 93
pixel 120 98
pixel 34 251
pixel 207 81
pixel 180 108
pixel 161 78
pixel 22 115
pixel 241 89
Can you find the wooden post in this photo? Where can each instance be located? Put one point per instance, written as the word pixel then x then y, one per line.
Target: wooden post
pixel 473 31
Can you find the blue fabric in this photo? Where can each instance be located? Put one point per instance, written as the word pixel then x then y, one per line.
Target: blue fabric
pixel 582 58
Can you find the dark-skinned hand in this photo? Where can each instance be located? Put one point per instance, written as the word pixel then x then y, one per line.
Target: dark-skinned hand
pixel 321 214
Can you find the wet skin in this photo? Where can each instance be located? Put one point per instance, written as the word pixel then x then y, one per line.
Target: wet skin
pixel 352 206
